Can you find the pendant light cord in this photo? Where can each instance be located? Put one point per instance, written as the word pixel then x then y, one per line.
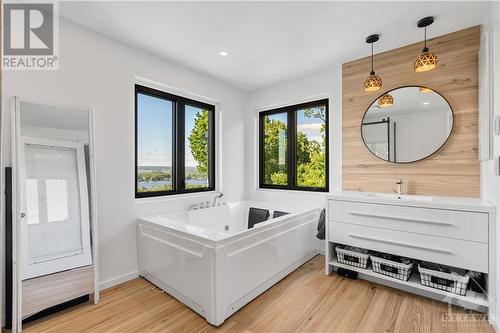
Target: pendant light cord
pixel 425 37
pixel 372 72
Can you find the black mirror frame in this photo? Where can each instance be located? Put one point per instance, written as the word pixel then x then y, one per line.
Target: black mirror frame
pixel 423 158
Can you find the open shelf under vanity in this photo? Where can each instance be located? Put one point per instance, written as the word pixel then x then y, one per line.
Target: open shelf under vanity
pixel 471 300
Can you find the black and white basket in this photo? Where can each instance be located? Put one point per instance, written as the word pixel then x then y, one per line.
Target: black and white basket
pixel 391 268
pixel 453 283
pixel 352 258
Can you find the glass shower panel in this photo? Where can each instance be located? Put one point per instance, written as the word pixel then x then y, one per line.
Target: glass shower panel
pixel 52 202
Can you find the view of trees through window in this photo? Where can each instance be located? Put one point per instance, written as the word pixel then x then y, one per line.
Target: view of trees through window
pixel 275 149
pixel 196 157
pixel 155 145
pixel 310 147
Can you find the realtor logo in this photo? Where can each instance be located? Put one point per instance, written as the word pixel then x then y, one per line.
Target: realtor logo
pixel 29 36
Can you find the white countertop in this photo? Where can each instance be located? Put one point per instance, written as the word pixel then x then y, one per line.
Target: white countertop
pixel 455 203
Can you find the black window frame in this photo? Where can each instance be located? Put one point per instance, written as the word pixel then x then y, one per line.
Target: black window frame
pixel 291 112
pixel 178 142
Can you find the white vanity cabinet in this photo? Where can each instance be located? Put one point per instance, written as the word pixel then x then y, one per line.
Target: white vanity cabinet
pixel 457 232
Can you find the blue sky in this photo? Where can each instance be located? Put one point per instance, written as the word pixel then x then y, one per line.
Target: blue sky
pixel 309 126
pixel 155 131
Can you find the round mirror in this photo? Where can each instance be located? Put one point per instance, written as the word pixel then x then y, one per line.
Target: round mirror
pixel 407 124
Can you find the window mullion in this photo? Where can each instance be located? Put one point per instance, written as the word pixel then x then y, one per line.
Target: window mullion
pixel 211 150
pixel 292 148
pixel 180 149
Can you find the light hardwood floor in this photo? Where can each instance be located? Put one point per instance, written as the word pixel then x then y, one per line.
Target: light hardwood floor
pixel 305 301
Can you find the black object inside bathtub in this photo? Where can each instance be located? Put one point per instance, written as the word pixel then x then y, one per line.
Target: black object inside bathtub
pixel 277 213
pixel 257 215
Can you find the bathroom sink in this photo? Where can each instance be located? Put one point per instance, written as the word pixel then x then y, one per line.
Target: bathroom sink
pixel 404 197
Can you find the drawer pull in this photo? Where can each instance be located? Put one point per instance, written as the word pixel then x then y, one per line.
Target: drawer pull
pixel 399 243
pixel 400 218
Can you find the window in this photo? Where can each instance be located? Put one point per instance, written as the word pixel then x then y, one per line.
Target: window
pixel 293 147
pixel 174 144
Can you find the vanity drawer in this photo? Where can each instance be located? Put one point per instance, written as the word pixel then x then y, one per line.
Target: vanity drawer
pixel 464 225
pixel 447 251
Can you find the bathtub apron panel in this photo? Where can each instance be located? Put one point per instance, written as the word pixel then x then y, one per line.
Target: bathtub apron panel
pixel 214 272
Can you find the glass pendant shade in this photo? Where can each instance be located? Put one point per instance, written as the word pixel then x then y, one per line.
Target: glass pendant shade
pixel 385 101
pixel 426 61
pixel 372 82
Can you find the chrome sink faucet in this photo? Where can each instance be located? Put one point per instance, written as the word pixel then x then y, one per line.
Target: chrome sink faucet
pixel 399 183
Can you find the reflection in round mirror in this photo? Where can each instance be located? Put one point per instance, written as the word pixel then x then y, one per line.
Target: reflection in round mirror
pixel 408 127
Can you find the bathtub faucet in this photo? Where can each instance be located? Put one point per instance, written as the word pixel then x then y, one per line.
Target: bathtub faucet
pixel 193 207
pixel 217 196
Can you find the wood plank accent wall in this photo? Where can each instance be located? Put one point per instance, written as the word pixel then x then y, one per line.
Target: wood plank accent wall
pixel 452 171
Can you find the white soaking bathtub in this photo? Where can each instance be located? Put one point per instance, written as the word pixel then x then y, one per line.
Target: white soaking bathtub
pixel 209 261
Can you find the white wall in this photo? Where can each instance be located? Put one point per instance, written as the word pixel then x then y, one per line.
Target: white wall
pixel 98 72
pixel 490 182
pixel 324 84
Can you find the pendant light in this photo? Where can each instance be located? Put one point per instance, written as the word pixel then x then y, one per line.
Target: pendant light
pixel 373 82
pixel 386 101
pixel 427 60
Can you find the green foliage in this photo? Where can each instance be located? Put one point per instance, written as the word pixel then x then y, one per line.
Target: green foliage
pixel 312 173
pixel 198 142
pixel 279 178
pixel 153 176
pixel 157 175
pixel 274 172
pixel 317 112
pixel 311 155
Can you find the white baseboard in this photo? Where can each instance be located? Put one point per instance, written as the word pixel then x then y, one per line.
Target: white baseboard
pixel 117 280
pixel 322 251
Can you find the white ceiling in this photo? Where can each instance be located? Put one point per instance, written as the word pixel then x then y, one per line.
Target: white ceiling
pixel 268 41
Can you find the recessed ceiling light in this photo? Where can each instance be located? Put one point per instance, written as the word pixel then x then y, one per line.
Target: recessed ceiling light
pixel 223 53
pixel 426 103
